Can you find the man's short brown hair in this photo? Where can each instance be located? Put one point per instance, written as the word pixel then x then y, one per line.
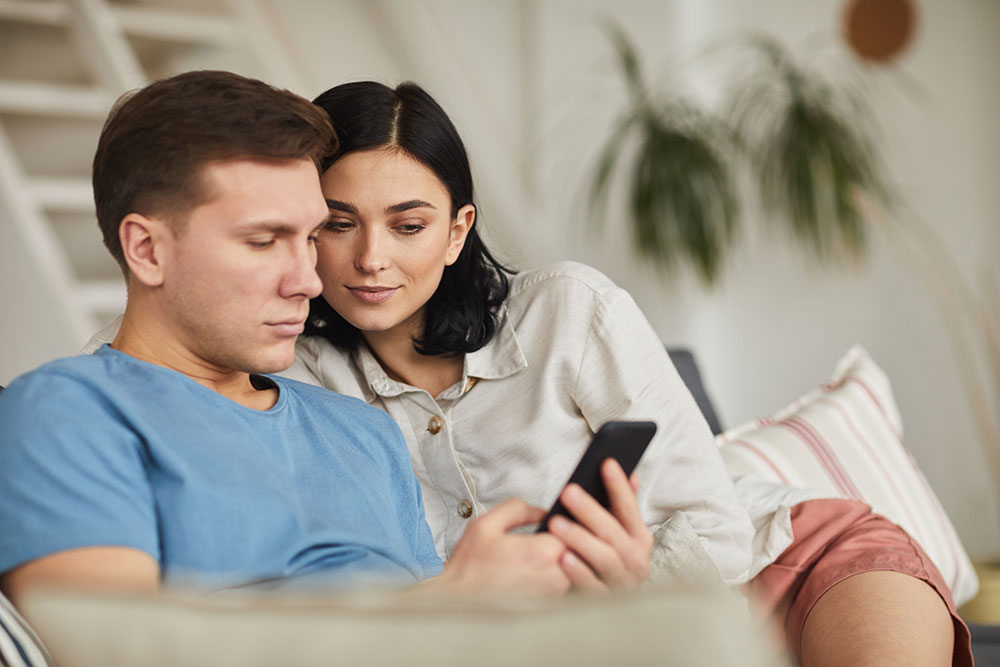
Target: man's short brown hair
pixel 157 139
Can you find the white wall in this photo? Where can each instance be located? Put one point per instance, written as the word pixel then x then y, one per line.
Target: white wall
pixel 534 105
pixel 532 87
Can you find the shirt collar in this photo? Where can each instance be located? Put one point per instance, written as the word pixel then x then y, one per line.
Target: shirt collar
pixel 499 358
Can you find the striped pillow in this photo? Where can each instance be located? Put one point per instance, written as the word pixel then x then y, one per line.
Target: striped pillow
pixel 844 439
pixel 19 645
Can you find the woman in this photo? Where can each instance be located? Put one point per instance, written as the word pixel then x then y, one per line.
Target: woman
pixel 497 381
pixel 517 370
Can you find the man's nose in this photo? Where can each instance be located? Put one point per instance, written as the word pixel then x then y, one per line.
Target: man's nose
pixel 301 278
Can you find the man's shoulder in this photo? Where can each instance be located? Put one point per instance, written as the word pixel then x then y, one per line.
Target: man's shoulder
pixel 344 419
pixel 65 372
pixel 314 396
pixel 60 404
pixel 314 393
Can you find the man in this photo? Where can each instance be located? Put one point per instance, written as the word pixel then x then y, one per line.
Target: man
pixel 169 456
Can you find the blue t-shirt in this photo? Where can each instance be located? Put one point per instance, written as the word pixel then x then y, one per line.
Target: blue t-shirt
pixel 109 450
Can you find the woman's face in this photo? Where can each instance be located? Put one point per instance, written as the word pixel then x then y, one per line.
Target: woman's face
pixel 389 237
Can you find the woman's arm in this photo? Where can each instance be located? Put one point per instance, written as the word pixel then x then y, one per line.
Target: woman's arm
pixel 625 373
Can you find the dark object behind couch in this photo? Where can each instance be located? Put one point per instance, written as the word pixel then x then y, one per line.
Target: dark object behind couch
pixel 687 368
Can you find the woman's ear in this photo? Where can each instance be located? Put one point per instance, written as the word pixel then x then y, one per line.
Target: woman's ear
pixel 460 228
pixel 142 242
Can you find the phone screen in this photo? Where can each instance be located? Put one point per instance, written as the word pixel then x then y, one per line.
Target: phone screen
pixel 624 441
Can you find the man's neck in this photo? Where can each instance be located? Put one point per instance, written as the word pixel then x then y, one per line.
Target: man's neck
pixel 155 345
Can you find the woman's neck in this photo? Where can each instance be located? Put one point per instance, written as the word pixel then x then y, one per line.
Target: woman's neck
pixel 432 373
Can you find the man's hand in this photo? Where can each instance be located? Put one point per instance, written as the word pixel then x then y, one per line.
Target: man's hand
pixel 490 558
pixel 606 549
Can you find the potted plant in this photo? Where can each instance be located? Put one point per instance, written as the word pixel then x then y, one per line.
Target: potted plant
pixel 806 141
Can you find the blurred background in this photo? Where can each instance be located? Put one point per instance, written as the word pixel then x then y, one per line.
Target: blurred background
pixel 536 89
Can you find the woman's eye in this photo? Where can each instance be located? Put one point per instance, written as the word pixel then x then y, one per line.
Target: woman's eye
pixel 337 226
pixel 410 228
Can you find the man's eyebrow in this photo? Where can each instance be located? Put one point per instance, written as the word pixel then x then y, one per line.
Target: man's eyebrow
pixel 343 207
pixel 265 226
pixel 407 205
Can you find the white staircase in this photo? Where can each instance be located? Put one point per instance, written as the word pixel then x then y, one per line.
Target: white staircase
pixel 62 65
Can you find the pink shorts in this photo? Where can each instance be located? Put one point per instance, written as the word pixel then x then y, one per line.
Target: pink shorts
pixel 836 539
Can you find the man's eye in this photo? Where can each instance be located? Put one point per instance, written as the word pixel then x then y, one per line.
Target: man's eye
pixel 261 244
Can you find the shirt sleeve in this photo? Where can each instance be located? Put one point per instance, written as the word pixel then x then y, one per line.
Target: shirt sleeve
pixel 71 473
pixel 625 373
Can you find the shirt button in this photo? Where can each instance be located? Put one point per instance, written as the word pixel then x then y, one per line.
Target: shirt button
pixel 465 509
pixel 434 425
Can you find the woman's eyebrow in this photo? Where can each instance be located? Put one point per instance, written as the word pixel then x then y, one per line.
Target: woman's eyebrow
pixel 341 206
pixel 407 205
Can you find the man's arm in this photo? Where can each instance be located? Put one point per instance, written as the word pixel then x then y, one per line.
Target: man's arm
pixel 89 568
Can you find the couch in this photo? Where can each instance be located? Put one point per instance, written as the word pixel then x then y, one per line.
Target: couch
pixel 844 436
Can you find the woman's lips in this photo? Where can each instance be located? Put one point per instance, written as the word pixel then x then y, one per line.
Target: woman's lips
pixel 372 295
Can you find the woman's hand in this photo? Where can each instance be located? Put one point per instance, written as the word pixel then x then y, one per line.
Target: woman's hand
pixel 607 550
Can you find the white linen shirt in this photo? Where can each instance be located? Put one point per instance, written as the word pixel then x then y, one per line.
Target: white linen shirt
pixel 572 351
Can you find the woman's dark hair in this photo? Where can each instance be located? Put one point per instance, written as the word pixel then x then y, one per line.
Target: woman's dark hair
pixel 461 316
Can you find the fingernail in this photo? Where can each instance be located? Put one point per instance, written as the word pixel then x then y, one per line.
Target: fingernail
pixel 573 491
pixel 558 524
pixel 570 559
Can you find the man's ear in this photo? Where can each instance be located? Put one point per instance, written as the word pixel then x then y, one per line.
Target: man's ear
pixel 143 243
pixel 460 229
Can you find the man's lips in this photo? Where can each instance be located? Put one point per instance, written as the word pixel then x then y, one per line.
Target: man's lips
pixel 289 328
pixel 372 295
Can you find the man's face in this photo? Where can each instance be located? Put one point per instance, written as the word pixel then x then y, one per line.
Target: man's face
pixel 240 269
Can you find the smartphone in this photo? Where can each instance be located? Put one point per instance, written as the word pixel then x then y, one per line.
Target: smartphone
pixel 624 441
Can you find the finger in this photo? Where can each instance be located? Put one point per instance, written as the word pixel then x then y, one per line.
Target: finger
pixel 634 481
pixel 624 504
pixel 580 575
pixel 601 557
pixel 592 515
pixel 511 513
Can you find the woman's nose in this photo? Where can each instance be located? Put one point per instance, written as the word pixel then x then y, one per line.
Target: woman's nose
pixel 371 256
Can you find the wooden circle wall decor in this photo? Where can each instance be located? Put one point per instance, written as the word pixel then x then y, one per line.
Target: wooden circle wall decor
pixel 879 30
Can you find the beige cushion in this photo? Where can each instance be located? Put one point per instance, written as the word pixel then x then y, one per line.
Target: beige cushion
pixel 845 439
pixel 655 626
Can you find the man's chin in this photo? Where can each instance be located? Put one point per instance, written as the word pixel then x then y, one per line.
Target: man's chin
pixel 275 361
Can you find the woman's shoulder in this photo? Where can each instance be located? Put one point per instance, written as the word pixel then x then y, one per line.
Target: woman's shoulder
pixel 320 362
pixel 562 277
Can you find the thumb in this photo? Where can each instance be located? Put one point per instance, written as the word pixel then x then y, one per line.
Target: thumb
pixel 512 513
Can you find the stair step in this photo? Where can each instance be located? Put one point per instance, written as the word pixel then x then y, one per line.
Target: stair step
pixel 168 25
pixel 63 194
pixel 47 99
pixel 40 12
pixel 176 26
